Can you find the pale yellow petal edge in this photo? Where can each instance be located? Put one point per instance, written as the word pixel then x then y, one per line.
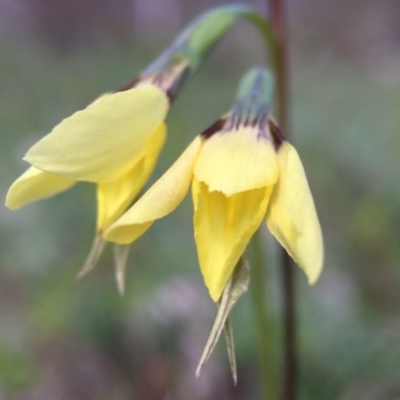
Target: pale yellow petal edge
pixel 292 217
pixel 34 185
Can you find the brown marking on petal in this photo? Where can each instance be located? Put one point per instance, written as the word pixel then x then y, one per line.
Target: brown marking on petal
pixel 276 134
pixel 214 128
pixel 129 85
pixel 260 117
pixel 230 123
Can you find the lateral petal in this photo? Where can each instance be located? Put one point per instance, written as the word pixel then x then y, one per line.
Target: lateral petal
pixel 236 161
pixel 161 199
pixel 102 142
pixel 291 215
pixel 223 227
pixel 34 185
pixel 113 198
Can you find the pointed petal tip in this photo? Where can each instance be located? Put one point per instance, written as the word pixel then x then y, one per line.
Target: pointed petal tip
pixel 314 277
pixel 223 228
pixel 34 185
pixel 9 204
pixel 28 157
pixel 86 268
pixel 312 280
pixel 215 293
pixel 198 370
pixel 121 288
pixel 121 253
pixel 94 255
pixel 292 217
pixel 315 266
pixel 120 279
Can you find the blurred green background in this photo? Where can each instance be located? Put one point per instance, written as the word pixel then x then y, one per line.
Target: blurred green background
pixel 60 340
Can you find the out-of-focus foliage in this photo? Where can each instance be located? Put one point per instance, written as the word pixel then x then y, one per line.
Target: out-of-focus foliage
pixel 63 340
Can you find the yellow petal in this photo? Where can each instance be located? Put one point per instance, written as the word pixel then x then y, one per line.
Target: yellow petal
pixel 291 215
pixel 35 185
pixel 102 142
pixel 223 227
pixel 236 161
pixel 161 199
pixel 113 198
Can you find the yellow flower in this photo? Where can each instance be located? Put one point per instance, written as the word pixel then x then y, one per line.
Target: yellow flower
pixel 242 171
pixel 114 142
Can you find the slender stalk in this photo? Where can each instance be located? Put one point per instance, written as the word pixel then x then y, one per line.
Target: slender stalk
pixel 289 384
pixel 263 322
pixel 277 11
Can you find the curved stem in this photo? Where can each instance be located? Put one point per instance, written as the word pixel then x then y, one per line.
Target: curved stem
pixel 266 31
pixel 197 40
pixel 263 323
pixel 202 35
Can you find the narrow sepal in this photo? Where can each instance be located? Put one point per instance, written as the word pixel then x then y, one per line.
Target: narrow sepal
pixel 236 286
pixel 121 253
pixel 94 255
pixel 230 346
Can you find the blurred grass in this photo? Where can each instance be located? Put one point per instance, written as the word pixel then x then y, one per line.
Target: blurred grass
pixel 345 125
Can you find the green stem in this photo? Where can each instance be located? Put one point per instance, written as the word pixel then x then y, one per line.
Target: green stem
pixel 263 323
pixel 277 9
pixel 196 41
pixel 201 36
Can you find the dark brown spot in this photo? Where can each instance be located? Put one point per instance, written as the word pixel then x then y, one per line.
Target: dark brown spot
pixel 276 134
pixel 178 83
pixel 129 85
pixel 215 127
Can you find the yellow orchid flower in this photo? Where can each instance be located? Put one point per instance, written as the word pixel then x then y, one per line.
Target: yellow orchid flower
pixel 242 171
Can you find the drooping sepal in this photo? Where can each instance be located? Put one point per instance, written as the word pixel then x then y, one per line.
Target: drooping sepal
pixel 93 257
pixel 121 253
pixel 237 285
